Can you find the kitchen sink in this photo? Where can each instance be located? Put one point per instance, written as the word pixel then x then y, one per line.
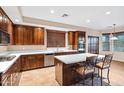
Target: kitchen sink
pixel 6 58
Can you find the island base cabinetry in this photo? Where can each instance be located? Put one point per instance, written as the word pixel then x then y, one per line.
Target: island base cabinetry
pixel 65 74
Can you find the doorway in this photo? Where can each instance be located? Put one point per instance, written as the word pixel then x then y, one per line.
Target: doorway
pixel 93 44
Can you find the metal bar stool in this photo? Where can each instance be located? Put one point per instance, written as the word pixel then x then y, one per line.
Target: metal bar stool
pixel 105 64
pixel 87 68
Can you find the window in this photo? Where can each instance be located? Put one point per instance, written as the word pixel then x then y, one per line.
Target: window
pixel 105 42
pixel 118 45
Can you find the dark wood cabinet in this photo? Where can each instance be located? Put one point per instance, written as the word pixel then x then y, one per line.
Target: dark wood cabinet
pixel 32 61
pixel 55 38
pixel 18 35
pixel 1 19
pixel 12 76
pixel 16 74
pixel 5 22
pixel 74 38
pixel 38 36
pixel 28 35
pixel 71 38
pixel 6 26
pixel 65 74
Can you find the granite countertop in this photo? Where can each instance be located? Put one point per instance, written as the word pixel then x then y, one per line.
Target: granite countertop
pixel 75 58
pixel 4 66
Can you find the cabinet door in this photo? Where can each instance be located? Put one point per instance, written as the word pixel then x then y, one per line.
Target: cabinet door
pixel 1 17
pixel 38 36
pixel 36 61
pixel 15 75
pixel 70 38
pixel 25 65
pixel 75 40
pixel 10 31
pixel 30 36
pixel 4 22
pixel 18 35
pixel 40 61
pixel 32 61
pixel 25 36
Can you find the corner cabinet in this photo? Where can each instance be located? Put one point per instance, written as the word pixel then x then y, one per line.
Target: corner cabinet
pixel 28 35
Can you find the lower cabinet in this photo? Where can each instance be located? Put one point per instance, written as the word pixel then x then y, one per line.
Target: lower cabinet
pixel 12 76
pixel 32 61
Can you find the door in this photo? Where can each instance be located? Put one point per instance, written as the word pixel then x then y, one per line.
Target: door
pixel 93 44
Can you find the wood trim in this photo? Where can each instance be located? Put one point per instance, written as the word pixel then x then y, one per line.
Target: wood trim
pixel 56 38
pixel 29 26
pixel 58 31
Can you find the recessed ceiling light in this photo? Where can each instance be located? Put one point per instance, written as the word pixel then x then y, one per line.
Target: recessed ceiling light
pixel 52 11
pixel 88 21
pixel 108 13
pixel 16 20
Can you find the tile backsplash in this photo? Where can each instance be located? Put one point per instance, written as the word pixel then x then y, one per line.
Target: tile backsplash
pixel 30 47
pixel 3 48
pixel 26 47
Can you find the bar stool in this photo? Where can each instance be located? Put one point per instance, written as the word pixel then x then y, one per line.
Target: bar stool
pixel 87 68
pixel 105 64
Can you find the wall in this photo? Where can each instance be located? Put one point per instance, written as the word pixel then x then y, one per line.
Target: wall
pixel 119 56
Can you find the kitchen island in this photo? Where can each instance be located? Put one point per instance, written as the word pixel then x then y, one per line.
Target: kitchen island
pixel 64 67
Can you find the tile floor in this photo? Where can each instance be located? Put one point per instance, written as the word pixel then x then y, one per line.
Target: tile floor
pixel 46 77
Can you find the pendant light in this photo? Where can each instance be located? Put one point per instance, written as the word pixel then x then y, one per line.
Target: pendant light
pixel 113 36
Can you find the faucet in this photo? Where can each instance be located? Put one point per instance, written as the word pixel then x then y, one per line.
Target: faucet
pixel 57 48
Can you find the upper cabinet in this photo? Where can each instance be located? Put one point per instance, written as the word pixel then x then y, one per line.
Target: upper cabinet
pixel 55 38
pixel 77 39
pixel 38 36
pixel 6 29
pixel 4 21
pixel 28 35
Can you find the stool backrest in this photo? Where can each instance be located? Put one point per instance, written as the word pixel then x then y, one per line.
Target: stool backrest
pixel 91 60
pixel 107 60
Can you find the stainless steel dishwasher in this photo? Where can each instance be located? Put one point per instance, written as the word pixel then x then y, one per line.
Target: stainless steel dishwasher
pixel 49 59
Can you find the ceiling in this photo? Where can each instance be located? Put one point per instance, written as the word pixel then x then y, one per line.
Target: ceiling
pixel 95 17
